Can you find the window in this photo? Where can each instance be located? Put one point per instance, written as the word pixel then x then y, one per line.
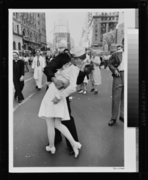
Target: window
pixel 24 32
pixel 19 46
pixel 14 45
pixel 13 27
pixel 18 29
pixel 17 15
pixel 28 33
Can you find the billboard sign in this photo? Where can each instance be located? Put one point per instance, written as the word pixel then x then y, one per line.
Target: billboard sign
pixel 62 42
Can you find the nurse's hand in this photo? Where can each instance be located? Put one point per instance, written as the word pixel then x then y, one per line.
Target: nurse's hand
pixel 55 100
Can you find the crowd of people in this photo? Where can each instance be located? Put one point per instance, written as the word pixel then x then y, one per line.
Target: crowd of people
pixel 68 72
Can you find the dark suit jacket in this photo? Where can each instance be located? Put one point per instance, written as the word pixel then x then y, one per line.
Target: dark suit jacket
pixel 114 61
pixel 56 64
pixel 18 68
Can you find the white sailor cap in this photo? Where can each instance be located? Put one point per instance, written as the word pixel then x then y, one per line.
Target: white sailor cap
pixel 77 51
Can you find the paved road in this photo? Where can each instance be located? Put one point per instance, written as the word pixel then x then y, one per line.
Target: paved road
pixel 102 146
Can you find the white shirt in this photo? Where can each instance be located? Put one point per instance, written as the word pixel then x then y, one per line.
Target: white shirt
pixel 26 59
pixel 41 61
pixel 121 66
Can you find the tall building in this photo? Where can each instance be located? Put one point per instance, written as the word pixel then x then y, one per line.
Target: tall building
pixel 85 30
pixel 61 35
pixel 30 30
pixel 101 22
pixel 17 32
pixel 115 37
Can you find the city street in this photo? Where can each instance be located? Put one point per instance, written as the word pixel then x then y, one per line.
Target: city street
pixel 102 145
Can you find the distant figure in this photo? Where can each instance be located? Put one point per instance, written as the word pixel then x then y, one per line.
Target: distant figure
pixel 96 74
pixel 26 63
pixel 83 86
pixel 116 66
pixel 38 66
pixel 106 58
pixel 18 77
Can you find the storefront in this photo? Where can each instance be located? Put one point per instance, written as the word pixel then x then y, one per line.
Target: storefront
pixel 30 45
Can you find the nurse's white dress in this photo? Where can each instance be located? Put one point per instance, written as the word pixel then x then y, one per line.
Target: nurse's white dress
pixel 68 74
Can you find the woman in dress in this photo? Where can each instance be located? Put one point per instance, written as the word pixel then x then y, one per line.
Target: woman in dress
pixel 95 76
pixel 54 106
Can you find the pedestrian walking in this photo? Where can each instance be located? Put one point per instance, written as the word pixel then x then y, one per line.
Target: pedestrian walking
pixel 31 59
pixel 101 61
pixel 78 55
pixel 26 60
pixel 106 58
pixel 83 86
pixel 18 77
pixel 54 106
pixel 38 65
pixel 96 74
pixel 116 65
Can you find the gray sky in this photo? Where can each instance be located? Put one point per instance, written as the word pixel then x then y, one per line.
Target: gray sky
pixel 75 19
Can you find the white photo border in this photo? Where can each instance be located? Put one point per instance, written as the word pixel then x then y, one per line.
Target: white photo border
pixel 129 133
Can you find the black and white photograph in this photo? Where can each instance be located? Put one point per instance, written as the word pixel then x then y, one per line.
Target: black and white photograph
pixel 68 71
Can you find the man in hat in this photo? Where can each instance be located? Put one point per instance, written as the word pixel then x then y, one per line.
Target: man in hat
pixel 38 65
pixel 116 65
pixel 78 55
pixel 18 76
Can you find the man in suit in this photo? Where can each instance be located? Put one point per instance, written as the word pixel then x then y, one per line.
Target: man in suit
pixel 18 77
pixel 116 65
pixel 78 55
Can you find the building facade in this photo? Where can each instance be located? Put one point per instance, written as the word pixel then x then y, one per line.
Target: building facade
pixel 17 33
pixel 31 31
pixel 115 37
pixel 101 23
pixel 61 35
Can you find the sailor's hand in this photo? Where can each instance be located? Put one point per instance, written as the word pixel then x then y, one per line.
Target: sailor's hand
pixel 55 100
pixel 58 83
